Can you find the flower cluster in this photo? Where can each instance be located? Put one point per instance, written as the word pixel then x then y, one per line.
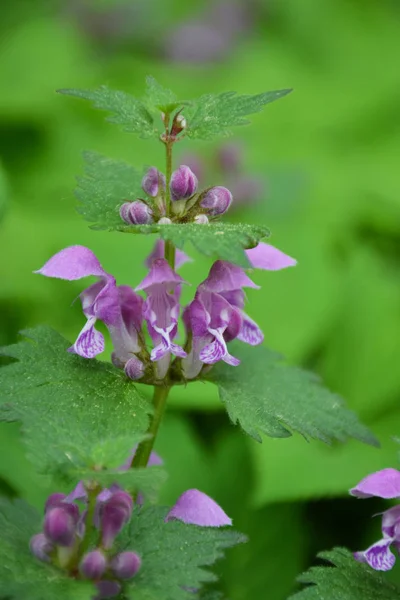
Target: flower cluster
pixel 187 203
pixel 382 484
pixel 67 533
pixel 213 319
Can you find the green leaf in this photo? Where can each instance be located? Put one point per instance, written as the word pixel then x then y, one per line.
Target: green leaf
pixel 265 395
pixel 346 580
pixel 106 185
pixel 160 97
pixel 22 576
pixel 126 110
pixel 173 554
pixel 73 411
pixel 213 115
pixel 223 240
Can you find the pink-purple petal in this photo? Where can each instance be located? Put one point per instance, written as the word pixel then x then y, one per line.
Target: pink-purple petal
pixel 73 263
pixel 196 508
pixel 89 342
pixel 250 333
pixel 158 252
pixel 213 352
pixel 160 273
pixel 390 521
pixel 378 556
pixel 265 256
pixel 225 277
pixel 383 484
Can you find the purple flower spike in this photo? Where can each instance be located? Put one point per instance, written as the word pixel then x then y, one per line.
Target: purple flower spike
pixel 152 181
pixel 196 508
pixel 217 200
pixel 183 183
pixel 107 589
pixel 114 514
pixel 265 256
pixel 383 484
pixel 125 565
pixel 41 547
pixel 136 213
pixel 161 309
pixel 158 252
pixel 60 524
pixel 93 565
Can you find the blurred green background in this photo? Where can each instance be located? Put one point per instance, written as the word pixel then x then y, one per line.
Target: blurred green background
pixel 324 166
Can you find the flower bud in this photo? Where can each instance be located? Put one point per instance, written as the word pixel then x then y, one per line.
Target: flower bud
pixel 93 564
pixel 60 523
pixel 151 182
pixel 125 565
pixel 115 513
pixel 178 124
pixel 41 547
pixel 217 200
pixel 164 221
pixel 201 219
pixel 134 368
pixel 54 500
pixel 107 589
pixel 183 183
pixel 136 213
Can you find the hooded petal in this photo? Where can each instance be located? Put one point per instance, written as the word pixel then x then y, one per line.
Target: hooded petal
pixel 89 342
pixel 196 508
pixel 73 263
pixel 390 521
pixel 158 252
pixel 265 256
pixel 383 484
pixel 225 277
pixel 160 274
pixel 378 556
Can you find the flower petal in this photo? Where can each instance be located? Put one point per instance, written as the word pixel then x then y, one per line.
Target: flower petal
pixel 265 256
pixel 160 273
pixel 383 484
pixel 378 556
pixel 250 333
pixel 73 263
pixel 158 252
pixel 213 352
pixel 196 508
pixel 390 518
pixel 225 277
pixel 89 342
pixel 231 360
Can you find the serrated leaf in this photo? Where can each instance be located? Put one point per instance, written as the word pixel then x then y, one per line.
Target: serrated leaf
pixel 126 110
pixel 213 115
pixel 22 576
pixel 173 554
pixel 104 187
pixel 265 395
pixel 69 406
pixel 221 240
pixel 159 97
pixel 346 580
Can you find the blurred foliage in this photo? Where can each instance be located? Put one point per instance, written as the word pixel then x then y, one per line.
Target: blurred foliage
pixel 329 153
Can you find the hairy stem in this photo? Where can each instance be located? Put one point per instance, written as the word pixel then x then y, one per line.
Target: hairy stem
pixel 168 172
pixel 143 452
pixel 169 254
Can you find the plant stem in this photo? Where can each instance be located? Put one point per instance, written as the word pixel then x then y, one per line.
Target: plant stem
pixel 143 452
pixel 91 507
pixel 168 172
pixel 169 253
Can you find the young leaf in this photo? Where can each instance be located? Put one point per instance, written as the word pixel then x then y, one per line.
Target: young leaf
pixel 346 580
pixel 22 576
pixel 265 395
pixel 106 185
pixel 126 110
pixel 212 115
pixel 160 97
pixel 69 406
pixel 173 554
pixel 223 240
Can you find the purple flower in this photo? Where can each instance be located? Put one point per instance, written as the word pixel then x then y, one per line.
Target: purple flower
pixel 115 512
pixel 125 565
pixel 158 252
pixel 161 308
pixel 382 484
pixel 136 213
pixel 60 524
pixel 41 547
pixel 93 564
pixel 153 182
pixel 196 508
pixel 183 183
pixel 217 200
pixel 264 256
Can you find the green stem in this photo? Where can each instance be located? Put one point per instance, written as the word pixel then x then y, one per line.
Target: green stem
pixel 168 173
pixel 143 452
pixel 169 254
pixel 91 507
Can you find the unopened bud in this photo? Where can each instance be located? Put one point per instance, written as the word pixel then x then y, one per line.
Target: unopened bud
pixel 136 213
pixel 178 125
pixel 115 513
pixel 125 565
pixel 60 524
pixel 201 219
pixel 41 547
pixel 54 500
pixel 152 180
pixel 107 589
pixel 183 183
pixel 217 200
pixel 134 368
pixel 93 564
pixel 164 221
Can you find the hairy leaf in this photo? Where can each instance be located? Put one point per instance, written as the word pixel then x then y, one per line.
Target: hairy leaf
pixel 347 579
pixel 22 576
pixel 104 187
pixel 126 110
pixel 73 411
pixel 223 240
pixel 173 554
pixel 267 396
pixel 159 97
pixel 213 115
